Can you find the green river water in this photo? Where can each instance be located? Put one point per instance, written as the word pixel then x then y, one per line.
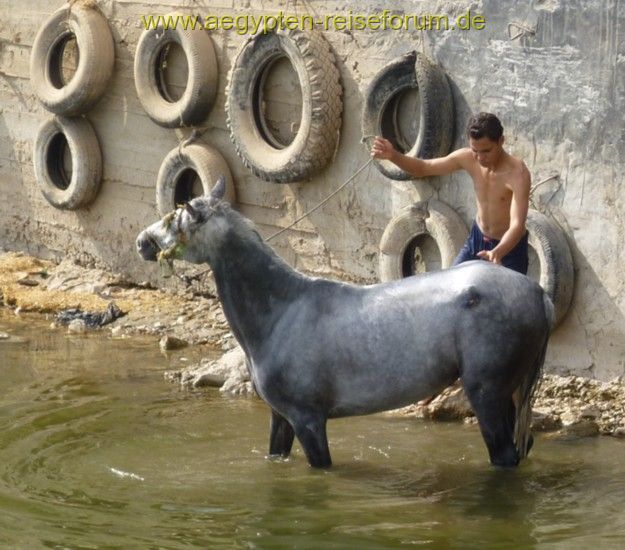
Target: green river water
pixel 97 450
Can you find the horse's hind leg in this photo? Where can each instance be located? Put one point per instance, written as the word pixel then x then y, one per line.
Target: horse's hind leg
pixel 311 432
pixel 282 435
pixel 496 417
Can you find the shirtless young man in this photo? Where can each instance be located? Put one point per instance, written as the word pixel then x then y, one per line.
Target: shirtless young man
pixel 502 186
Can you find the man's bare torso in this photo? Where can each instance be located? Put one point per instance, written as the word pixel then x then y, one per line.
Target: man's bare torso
pixel 494 190
pixel 502 185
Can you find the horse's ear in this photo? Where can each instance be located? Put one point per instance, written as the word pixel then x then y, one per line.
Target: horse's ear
pixel 219 189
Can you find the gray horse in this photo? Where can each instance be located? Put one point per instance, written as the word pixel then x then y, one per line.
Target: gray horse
pixel 320 349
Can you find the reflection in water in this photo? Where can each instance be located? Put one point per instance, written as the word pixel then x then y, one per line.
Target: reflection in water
pixel 96 449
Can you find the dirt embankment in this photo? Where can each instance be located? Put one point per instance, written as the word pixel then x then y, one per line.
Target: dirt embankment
pixel 29 284
pixel 566 406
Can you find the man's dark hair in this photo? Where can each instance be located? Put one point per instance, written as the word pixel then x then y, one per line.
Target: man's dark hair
pixel 485 125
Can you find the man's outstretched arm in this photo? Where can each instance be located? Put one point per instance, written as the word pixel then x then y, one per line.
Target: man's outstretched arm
pixel 419 168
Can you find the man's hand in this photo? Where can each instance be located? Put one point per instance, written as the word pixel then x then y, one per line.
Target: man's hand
pixel 490 255
pixel 382 149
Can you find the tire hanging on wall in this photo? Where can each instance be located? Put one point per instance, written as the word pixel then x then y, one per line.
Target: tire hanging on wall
pixel 174 183
pixel 318 135
pixel 405 232
pixel 556 272
pixel 199 95
pixel 95 61
pixel 55 138
pixel 435 116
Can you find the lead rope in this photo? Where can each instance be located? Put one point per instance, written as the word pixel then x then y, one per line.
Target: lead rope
pixel 188 278
pixel 363 139
pixel 349 180
pixel 541 182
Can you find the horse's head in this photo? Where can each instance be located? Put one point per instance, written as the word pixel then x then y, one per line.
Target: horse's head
pixel 176 236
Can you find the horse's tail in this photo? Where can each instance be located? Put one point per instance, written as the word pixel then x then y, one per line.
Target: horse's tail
pixel 527 389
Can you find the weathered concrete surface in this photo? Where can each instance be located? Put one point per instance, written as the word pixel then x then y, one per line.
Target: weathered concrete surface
pixel 559 91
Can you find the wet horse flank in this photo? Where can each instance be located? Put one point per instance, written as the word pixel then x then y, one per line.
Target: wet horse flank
pixel 320 349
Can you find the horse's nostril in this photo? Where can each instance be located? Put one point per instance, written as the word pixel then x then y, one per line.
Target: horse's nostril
pixel 147 247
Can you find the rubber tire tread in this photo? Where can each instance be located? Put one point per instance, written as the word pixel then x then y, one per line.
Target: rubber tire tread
pixel 86 162
pixel 95 66
pixel 199 96
pixel 206 161
pixel 557 273
pixel 436 113
pixel 317 139
pixel 434 218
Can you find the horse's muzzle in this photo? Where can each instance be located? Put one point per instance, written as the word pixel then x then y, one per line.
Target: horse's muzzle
pixel 147 247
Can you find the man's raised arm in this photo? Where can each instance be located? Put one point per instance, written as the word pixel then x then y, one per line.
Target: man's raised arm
pixel 419 168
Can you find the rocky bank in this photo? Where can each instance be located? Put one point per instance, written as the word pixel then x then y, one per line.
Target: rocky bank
pixel 567 406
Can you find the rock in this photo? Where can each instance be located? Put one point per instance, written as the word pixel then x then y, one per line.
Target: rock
pixel 415 410
pixel 229 372
pixel 26 281
pixel 116 331
pixel 451 404
pixel 4 336
pixel 168 343
pixel 573 424
pixel 545 420
pixel 77 326
pixel 208 379
pixel 68 276
pixel 570 416
pixel 235 386
pixel 591 412
pixel 583 428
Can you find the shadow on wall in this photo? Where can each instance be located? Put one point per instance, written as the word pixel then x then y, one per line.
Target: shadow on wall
pixel 457 189
pixel 589 340
pixel 463 112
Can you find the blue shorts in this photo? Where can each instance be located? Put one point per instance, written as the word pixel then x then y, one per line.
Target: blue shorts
pixel 516 259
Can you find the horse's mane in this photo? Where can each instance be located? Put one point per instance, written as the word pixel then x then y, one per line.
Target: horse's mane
pixel 246 231
pixel 242 226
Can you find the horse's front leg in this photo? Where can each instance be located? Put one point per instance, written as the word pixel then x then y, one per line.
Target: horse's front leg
pixel 281 437
pixel 310 429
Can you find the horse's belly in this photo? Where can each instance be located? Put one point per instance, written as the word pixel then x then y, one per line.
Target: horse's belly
pixel 372 392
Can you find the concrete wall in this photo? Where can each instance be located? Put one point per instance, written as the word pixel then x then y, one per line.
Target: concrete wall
pixel 559 90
